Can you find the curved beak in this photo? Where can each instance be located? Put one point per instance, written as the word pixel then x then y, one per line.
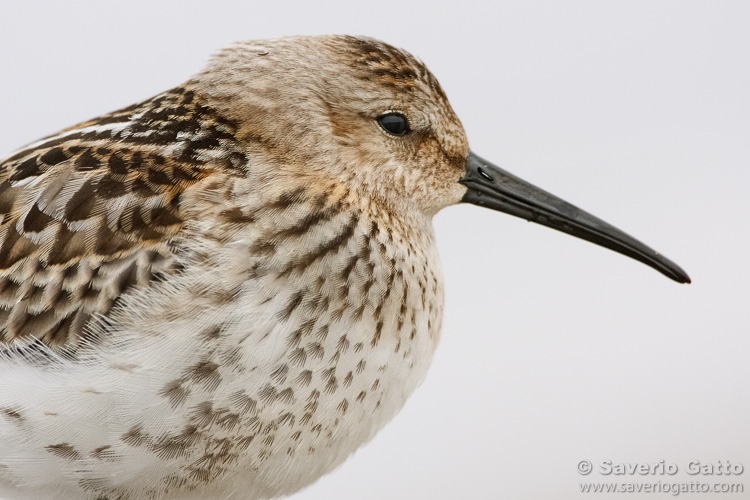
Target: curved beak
pixel 492 187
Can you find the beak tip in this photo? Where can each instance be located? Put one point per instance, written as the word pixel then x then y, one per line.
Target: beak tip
pixel 675 272
pixel 685 279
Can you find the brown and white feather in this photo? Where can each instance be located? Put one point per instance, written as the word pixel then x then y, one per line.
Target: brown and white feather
pixel 223 291
pixel 96 209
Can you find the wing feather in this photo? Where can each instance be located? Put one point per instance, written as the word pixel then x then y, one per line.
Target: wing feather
pixel 93 211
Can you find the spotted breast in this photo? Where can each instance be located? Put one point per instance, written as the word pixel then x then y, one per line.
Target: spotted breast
pixel 192 307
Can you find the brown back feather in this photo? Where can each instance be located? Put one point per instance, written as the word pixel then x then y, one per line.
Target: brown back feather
pixel 89 213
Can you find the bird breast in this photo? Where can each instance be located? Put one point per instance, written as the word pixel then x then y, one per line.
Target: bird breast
pixel 298 326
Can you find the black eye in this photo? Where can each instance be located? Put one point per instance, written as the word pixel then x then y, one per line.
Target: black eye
pixel 394 123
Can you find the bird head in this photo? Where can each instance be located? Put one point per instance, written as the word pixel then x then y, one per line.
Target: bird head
pixel 341 112
pixel 344 110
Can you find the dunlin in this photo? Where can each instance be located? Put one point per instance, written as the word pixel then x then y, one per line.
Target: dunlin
pixel 223 291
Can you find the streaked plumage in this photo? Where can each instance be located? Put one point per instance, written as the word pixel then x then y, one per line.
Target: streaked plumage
pixel 95 209
pixel 215 292
pixel 223 291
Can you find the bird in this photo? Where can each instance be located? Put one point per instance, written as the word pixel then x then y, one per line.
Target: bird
pixel 223 291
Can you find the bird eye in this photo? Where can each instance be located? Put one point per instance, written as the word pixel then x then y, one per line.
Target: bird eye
pixel 394 123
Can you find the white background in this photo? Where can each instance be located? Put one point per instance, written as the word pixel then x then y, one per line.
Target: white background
pixel 553 350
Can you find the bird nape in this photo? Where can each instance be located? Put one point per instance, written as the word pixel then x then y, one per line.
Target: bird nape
pixel 225 290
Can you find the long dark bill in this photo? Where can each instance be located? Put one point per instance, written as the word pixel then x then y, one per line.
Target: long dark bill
pixel 492 187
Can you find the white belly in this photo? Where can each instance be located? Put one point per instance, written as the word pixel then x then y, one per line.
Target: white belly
pixel 237 388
